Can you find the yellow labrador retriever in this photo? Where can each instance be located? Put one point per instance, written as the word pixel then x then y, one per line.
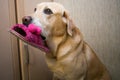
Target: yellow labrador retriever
pixel 70 57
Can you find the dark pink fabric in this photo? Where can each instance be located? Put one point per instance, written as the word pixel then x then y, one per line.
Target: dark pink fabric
pixel 31 35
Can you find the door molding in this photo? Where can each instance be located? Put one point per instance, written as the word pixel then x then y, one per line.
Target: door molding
pixel 19 10
pixel 14 41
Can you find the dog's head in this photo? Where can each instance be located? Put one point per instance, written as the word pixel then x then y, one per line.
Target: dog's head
pixel 56 25
pixel 52 18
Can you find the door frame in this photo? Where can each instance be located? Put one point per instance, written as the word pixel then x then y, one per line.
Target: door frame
pixel 22 53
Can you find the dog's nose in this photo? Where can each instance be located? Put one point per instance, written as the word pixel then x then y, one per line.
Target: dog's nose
pixel 26 20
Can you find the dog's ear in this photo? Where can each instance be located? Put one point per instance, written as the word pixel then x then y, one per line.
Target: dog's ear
pixel 69 23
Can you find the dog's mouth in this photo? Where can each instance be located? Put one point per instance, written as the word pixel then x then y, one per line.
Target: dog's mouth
pixel 43 37
pixel 23 33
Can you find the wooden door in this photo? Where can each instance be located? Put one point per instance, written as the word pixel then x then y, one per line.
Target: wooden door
pixel 9 59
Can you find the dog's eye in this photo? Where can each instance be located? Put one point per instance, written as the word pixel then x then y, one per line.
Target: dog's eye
pixel 48 11
pixel 35 9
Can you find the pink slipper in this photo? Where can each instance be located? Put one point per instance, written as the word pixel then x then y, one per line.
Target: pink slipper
pixel 30 35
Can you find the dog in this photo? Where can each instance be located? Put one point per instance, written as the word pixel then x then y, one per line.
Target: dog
pixel 70 57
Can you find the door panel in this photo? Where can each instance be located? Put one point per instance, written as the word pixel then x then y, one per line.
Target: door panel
pixel 37 65
pixel 9 64
pixel 33 63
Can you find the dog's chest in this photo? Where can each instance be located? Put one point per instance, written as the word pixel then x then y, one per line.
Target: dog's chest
pixel 69 68
pixel 62 70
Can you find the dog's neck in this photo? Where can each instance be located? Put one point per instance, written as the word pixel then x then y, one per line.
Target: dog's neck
pixel 61 46
pixel 54 43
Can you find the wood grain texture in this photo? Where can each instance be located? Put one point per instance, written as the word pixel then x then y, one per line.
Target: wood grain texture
pixel 99 21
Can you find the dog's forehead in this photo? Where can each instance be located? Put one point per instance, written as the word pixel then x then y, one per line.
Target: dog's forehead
pixel 55 7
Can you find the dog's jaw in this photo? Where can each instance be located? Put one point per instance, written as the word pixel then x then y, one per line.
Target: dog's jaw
pixel 37 22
